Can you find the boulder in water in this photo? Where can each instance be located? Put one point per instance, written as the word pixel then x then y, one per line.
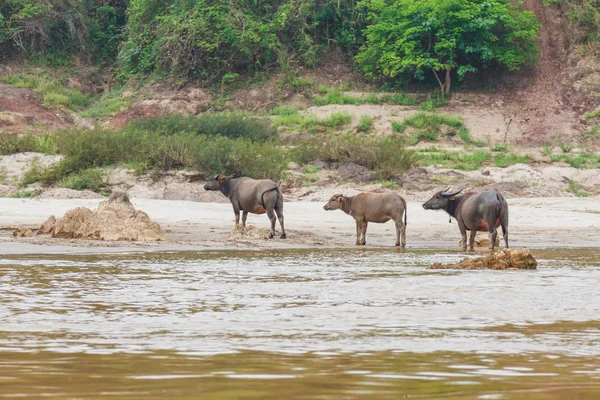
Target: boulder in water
pixel 501 259
pixel 115 219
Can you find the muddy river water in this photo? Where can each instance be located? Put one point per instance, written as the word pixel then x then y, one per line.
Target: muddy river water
pixel 298 324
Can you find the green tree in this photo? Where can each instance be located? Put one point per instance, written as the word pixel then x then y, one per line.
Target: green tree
pixel 412 37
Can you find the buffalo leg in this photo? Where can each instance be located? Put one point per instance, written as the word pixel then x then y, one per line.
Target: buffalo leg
pixel 280 218
pixel 472 240
pixel 236 211
pixel 463 233
pixel 271 215
pixel 244 216
pixel 400 233
pixel 358 232
pixel 364 233
pixel 505 233
pixel 493 234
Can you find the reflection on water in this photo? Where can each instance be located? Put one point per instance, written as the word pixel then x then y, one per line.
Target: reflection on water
pixel 298 324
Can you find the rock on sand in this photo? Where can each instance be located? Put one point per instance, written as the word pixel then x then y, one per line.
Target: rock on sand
pixel 115 219
pixel 501 259
pixel 248 233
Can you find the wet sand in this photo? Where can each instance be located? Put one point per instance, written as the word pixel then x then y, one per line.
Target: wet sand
pixel 534 222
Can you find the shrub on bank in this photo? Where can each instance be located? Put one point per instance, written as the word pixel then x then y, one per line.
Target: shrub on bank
pixel 231 125
pixel 150 150
pixel 387 156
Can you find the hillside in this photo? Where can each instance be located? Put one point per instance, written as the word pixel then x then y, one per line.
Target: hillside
pixel 539 111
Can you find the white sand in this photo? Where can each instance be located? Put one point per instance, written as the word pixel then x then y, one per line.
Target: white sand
pixel 541 222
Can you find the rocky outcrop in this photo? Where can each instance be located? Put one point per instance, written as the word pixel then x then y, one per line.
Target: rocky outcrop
pixel 501 259
pixel 115 219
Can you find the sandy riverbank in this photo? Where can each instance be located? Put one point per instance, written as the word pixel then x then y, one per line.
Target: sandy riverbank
pixel 534 222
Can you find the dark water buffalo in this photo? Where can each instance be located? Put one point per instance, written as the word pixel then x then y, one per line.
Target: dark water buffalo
pixel 474 212
pixel 248 195
pixel 372 207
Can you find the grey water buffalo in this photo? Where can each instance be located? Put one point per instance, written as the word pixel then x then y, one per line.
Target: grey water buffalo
pixel 372 207
pixel 474 212
pixel 256 196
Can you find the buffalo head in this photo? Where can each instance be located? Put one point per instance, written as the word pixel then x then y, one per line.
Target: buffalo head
pixel 334 203
pixel 215 182
pixel 439 201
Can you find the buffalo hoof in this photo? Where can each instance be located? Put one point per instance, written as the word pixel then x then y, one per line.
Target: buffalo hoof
pixel 271 236
pixel 284 236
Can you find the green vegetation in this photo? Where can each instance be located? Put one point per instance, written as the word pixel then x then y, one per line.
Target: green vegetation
pixel 283 110
pixel 575 188
pixel 310 123
pixel 389 184
pixel 365 124
pixel 232 125
pixel 336 96
pixel 92 179
pixel 386 156
pixel 25 194
pixel 454 159
pixel 583 160
pixel 416 38
pixel 429 127
pixel 506 160
pixel 107 105
pixel 53 92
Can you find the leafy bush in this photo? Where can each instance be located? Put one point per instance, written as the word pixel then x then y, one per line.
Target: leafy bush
pixel 387 156
pixel 429 126
pixel 92 179
pixel 84 151
pixel 226 124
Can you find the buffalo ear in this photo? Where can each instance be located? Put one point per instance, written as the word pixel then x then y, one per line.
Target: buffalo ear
pixel 222 178
pixel 340 197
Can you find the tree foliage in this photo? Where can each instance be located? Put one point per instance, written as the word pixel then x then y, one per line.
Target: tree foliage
pixel 206 39
pixel 61 27
pixel 218 40
pixel 413 37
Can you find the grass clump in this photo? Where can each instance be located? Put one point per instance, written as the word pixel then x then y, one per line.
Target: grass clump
pixel 592 114
pixel 506 160
pixel 25 194
pixel 365 124
pixel 455 159
pixel 336 96
pixel 108 105
pixel 576 189
pixel 92 179
pixel 387 156
pixel 231 125
pixel 337 120
pixel 283 110
pixel 54 92
pixel 389 184
pixel 429 126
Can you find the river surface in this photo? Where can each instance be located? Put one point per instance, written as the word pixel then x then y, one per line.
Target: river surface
pixel 298 324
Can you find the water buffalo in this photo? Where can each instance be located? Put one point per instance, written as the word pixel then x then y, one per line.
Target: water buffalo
pixel 372 207
pixel 474 212
pixel 256 196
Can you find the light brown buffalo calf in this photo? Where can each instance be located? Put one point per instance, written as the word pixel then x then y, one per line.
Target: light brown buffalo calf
pixel 372 207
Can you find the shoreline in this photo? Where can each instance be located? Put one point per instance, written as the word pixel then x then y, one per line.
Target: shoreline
pixel 193 226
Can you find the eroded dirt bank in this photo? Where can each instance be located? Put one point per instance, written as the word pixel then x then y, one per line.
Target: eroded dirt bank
pixel 534 222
